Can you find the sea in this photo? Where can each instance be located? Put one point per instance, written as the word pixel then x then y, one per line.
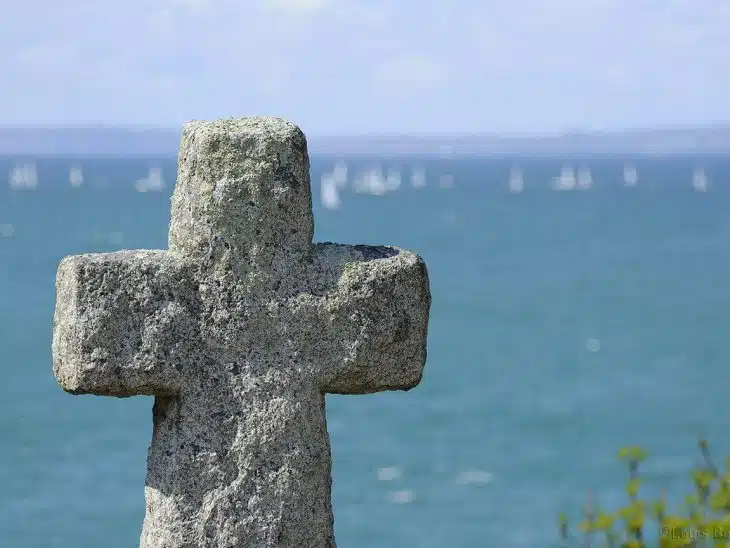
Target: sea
pixel 567 321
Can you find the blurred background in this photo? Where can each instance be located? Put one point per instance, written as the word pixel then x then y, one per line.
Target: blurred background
pixel 561 166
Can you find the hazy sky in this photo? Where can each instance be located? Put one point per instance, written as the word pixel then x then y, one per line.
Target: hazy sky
pixel 356 66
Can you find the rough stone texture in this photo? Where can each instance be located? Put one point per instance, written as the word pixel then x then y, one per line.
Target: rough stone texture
pixel 239 330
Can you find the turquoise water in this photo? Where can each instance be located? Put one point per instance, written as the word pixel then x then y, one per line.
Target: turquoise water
pixel 564 325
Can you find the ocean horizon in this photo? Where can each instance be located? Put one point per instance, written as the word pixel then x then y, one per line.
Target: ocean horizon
pixel 115 141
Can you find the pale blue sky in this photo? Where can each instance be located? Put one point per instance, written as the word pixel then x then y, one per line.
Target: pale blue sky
pixel 357 66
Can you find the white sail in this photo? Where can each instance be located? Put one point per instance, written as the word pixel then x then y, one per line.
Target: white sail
pixel 699 180
pixel 392 180
pixel 585 179
pixel 339 174
pixel 330 195
pixel 76 176
pixel 516 183
pixel 371 182
pixel 23 177
pixel 631 176
pixel 418 178
pixel 154 182
pixel 566 180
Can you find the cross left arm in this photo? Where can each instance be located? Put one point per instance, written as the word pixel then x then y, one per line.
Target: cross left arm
pixel 124 323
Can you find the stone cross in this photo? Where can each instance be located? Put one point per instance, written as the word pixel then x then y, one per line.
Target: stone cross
pixel 239 330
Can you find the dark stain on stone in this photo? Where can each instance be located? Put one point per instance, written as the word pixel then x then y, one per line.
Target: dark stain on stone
pixel 215 144
pixel 285 174
pixel 370 252
pixel 401 332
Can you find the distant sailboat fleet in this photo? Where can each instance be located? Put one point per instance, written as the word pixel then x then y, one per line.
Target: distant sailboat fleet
pixel 569 179
pixel 373 181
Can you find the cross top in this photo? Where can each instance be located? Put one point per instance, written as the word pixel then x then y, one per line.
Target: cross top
pixel 243 196
pixel 239 330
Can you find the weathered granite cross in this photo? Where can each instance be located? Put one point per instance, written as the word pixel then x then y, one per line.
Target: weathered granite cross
pixel 239 330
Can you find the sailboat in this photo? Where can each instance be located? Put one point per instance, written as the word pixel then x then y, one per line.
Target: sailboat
pixel 585 179
pixel 631 177
pixel 75 176
pixel 371 182
pixel 516 183
pixel 566 180
pixel 339 174
pixel 154 182
pixel 330 195
pixel 699 180
pixel 23 177
pixel 392 180
pixel 418 178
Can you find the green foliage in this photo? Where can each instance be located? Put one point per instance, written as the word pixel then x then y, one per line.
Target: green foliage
pixel 703 520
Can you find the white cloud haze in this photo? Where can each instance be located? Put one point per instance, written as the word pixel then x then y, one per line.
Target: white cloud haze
pixel 349 66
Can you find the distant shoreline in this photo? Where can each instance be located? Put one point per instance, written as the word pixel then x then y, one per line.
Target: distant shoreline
pixel 149 142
